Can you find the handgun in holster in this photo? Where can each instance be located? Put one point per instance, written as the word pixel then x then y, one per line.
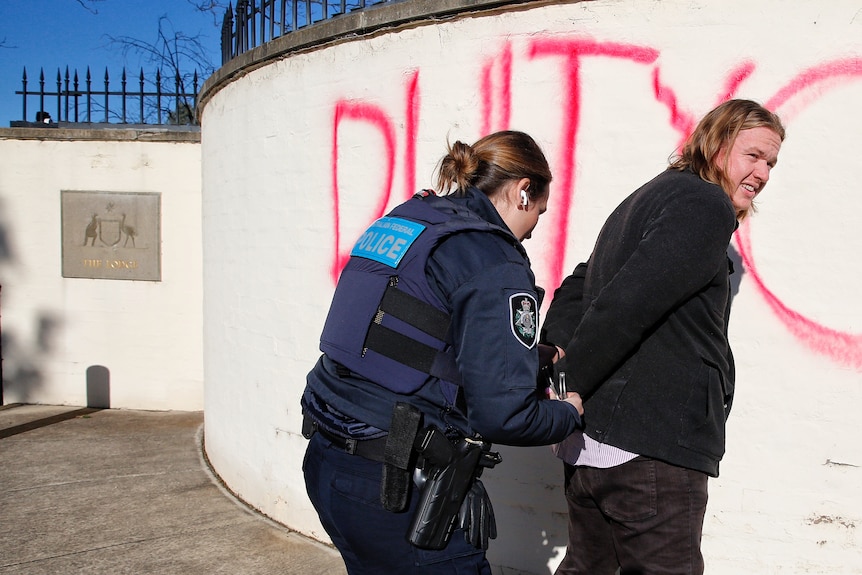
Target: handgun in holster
pixel 450 471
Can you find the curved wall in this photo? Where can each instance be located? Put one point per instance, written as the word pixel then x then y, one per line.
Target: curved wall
pixel 304 144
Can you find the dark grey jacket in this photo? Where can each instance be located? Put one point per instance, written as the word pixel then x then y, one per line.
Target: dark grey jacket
pixel 644 324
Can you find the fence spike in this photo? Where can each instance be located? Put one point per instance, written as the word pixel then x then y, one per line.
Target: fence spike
pixel 69 96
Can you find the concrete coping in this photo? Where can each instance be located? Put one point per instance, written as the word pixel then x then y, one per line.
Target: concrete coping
pixel 67 131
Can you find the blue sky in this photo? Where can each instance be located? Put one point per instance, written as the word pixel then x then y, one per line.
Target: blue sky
pixel 53 34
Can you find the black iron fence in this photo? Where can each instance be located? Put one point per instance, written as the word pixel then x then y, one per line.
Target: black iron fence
pixel 255 22
pixel 164 100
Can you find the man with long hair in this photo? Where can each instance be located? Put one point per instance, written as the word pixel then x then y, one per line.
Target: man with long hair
pixel 642 330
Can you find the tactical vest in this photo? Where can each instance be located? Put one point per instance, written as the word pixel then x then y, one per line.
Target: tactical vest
pixel 386 323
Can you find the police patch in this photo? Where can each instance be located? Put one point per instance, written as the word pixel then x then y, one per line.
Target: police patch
pixel 523 318
pixel 387 240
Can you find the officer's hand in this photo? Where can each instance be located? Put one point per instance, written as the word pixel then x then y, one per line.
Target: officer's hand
pixel 575 399
pixel 476 517
pixel 544 382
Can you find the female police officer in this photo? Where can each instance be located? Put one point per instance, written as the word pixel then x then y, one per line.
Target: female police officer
pixel 432 333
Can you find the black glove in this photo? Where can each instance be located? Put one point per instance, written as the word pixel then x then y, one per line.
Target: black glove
pixel 476 517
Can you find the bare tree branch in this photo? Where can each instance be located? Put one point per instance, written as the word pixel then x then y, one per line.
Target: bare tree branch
pixel 172 49
pixel 215 7
pixel 89 5
pixel 178 56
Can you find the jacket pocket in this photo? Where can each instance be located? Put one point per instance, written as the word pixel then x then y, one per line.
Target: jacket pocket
pixel 702 421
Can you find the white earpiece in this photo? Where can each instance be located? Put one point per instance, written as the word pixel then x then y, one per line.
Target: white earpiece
pixel 524 199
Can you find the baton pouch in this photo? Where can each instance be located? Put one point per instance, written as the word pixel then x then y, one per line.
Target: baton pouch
pixel 398 457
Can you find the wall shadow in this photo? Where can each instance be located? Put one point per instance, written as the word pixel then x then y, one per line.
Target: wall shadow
pixel 530 507
pixel 5 257
pixel 738 270
pixel 21 371
pixel 5 244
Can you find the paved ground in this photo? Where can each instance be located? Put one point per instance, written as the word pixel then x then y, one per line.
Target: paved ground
pixel 127 492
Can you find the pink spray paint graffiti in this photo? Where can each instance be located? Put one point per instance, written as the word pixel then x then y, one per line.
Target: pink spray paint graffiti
pixel 495 87
pixel 377 118
pixel 571 52
pixel 499 93
pixel 843 348
pixel 412 114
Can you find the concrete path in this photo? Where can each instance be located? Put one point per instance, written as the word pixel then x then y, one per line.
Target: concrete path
pixel 128 492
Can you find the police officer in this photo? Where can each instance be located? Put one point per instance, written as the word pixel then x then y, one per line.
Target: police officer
pixel 432 329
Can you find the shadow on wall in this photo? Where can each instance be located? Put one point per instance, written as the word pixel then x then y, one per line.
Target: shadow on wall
pixel 738 271
pixel 5 248
pixel 530 508
pixel 21 360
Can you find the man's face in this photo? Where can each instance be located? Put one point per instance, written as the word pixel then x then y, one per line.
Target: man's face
pixel 751 158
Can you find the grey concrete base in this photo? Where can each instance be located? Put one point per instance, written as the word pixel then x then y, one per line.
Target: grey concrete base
pixel 128 492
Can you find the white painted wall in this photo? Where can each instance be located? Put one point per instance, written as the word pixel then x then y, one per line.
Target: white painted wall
pixel 147 334
pixel 609 88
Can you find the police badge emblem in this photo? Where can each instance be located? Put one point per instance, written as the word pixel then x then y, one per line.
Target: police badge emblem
pixel 523 318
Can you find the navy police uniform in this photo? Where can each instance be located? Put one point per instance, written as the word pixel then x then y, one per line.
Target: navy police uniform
pixel 436 308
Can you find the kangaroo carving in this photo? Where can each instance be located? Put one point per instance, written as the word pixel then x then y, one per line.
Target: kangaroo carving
pixel 90 232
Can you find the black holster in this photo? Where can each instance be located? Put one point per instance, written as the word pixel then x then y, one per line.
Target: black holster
pixel 399 458
pixel 451 471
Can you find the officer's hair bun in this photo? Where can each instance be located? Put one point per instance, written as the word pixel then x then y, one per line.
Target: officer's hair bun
pixel 457 167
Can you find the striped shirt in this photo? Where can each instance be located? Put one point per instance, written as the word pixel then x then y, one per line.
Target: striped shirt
pixel 580 449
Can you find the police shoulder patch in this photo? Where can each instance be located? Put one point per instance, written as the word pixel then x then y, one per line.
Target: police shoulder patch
pixel 523 318
pixel 387 240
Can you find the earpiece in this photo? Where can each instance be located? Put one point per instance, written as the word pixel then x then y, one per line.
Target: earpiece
pixel 524 199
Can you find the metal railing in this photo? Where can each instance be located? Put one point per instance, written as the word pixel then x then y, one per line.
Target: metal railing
pixel 255 22
pixel 78 101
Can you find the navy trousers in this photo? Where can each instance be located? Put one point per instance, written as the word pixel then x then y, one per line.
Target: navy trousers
pixel 345 491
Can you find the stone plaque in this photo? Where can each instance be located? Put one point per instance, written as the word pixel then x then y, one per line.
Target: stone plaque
pixel 111 235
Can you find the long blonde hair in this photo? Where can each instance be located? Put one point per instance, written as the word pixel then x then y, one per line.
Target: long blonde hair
pixel 717 130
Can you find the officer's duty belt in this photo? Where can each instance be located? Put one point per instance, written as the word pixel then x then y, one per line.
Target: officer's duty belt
pixel 373 449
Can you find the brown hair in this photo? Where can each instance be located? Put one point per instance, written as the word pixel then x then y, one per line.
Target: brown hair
pixel 491 162
pixel 717 130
